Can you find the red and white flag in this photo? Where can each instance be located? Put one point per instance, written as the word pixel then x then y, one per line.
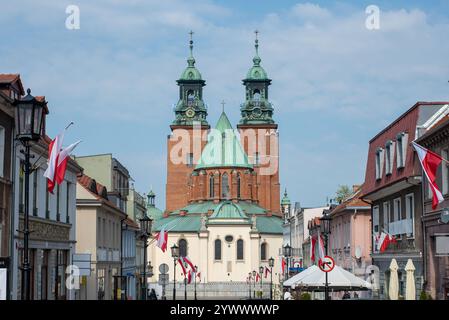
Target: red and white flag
pixel 187 260
pixel 267 270
pixel 321 251
pixel 430 162
pixel 283 265
pixel 162 239
pixel 57 161
pixel 312 248
pixel 181 262
pixel 53 154
pixel 189 276
pixel 257 277
pixel 384 241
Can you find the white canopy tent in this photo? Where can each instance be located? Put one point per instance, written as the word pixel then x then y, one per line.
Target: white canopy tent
pixel 338 279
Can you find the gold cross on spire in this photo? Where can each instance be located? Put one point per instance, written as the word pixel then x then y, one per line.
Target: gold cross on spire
pixel 223 105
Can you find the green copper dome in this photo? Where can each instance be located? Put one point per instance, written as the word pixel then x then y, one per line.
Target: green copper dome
pixel 191 73
pixel 256 72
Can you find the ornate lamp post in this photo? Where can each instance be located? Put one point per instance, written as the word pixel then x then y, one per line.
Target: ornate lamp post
pixel 29 120
pixel 145 225
pixel 271 265
pixel 175 256
pixel 287 254
pixel 325 222
pixel 261 284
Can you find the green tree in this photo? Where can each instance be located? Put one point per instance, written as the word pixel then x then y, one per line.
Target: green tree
pixel 342 193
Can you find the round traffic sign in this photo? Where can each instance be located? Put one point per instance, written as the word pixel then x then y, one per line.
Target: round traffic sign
pixel 163 268
pixel 326 264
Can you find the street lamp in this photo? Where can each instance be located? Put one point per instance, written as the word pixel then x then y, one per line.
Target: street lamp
pixel 271 265
pixel 29 121
pixel 254 287
pixel 261 284
pixel 175 256
pixel 145 225
pixel 287 251
pixel 196 270
pixel 325 223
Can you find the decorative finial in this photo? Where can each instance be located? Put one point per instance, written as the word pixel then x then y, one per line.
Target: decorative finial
pixel 285 192
pixel 223 105
pixel 256 58
pixel 191 59
pixel 28 91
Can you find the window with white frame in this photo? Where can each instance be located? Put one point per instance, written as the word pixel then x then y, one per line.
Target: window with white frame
pixel 376 219
pixel 379 162
pixel 410 215
pixel 397 209
pixel 445 171
pixel 401 149
pixel 389 150
pixel 385 216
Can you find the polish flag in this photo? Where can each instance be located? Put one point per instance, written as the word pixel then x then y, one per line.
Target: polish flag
pixel 283 265
pixel 54 149
pixel 430 162
pixel 62 162
pixel 385 240
pixel 267 270
pixel 162 239
pixel 189 276
pixel 181 262
pixel 312 249
pixel 187 260
pixel 257 277
pixel 321 251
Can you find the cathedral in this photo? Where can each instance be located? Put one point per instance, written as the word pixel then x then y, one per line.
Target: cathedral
pixel 223 206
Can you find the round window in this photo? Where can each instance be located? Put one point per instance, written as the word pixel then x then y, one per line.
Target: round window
pixel 229 238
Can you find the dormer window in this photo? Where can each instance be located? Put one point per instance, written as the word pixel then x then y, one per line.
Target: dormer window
pixel 256 95
pixel 389 148
pixel 401 149
pixel 379 162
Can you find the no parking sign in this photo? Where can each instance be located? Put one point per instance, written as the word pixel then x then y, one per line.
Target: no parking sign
pixel 326 264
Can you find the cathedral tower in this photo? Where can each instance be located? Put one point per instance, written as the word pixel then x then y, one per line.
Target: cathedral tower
pixel 259 134
pixel 190 113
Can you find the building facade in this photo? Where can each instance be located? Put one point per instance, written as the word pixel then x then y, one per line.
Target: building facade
pixel 99 234
pixel 350 236
pixel 435 226
pixel 393 186
pixel 10 89
pixel 108 171
pixel 223 205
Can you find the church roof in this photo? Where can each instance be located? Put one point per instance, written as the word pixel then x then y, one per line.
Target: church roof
pixel 228 210
pixel 223 148
pixel 203 207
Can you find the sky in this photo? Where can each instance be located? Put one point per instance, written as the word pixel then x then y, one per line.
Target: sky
pixel 335 82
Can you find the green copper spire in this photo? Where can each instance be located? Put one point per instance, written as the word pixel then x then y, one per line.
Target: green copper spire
pixel 190 108
pixel 223 148
pixel 285 200
pixel 256 109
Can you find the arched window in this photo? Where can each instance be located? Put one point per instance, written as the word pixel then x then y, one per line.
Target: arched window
pixel 217 255
pixel 190 97
pixel 211 186
pixel 240 249
pixel 256 95
pixel 182 244
pixel 263 251
pixel 238 185
pixel 224 186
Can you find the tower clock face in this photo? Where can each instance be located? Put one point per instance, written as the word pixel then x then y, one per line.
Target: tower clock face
pixel 190 113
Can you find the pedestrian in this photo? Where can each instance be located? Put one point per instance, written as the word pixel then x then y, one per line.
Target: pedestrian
pixel 153 295
pixel 346 295
pixel 287 295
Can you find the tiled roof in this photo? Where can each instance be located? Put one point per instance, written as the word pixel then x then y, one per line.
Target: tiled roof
pixel 272 224
pixel 177 223
pixel 11 78
pixel 96 189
